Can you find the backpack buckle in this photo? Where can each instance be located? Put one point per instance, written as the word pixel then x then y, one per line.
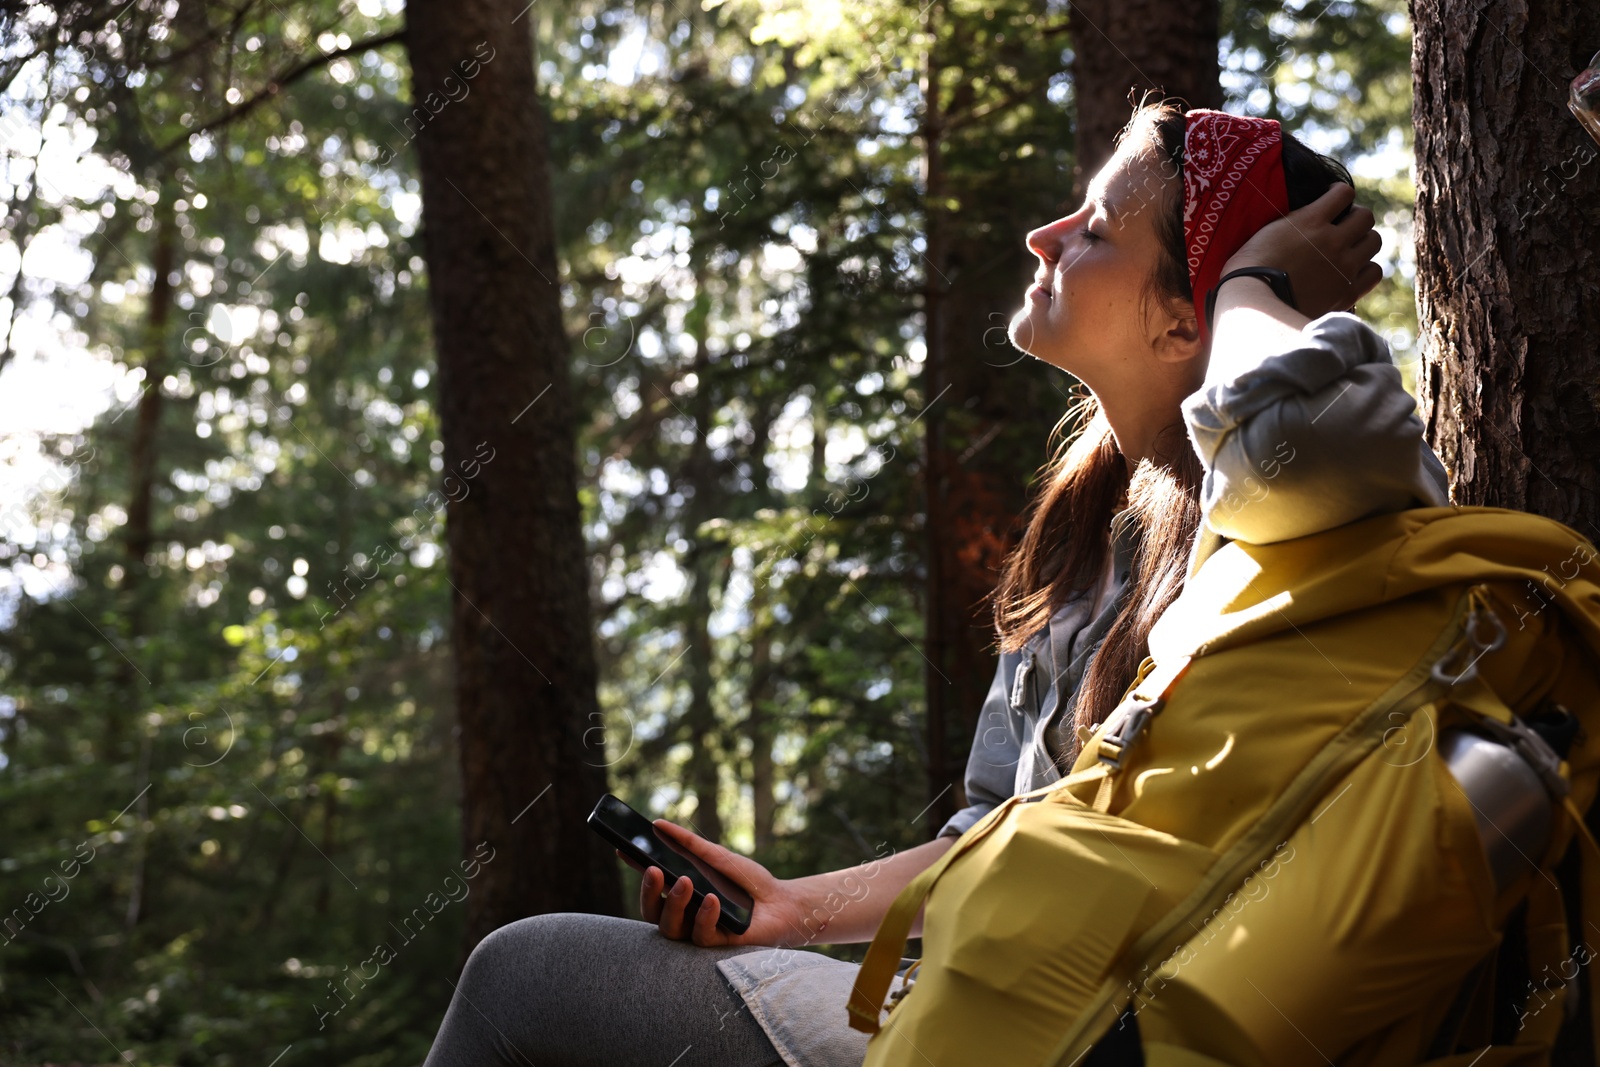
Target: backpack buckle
pixel 1131 718
pixel 1472 644
pixel 1127 722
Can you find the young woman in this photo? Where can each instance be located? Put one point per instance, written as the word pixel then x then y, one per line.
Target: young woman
pixel 1302 424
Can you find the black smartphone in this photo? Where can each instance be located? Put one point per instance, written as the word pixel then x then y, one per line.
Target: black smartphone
pixel 632 833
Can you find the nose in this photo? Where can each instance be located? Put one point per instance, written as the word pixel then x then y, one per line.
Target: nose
pixel 1046 241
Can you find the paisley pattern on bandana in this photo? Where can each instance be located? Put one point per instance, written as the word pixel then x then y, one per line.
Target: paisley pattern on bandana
pixel 1232 186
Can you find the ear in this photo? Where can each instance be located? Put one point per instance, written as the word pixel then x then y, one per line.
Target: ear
pixel 1179 341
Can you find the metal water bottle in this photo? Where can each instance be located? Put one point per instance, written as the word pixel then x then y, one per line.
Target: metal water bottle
pixel 1585 98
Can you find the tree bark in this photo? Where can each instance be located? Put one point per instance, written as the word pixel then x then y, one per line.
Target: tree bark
pixel 1508 300
pixel 940 613
pixel 521 636
pixel 1508 272
pixel 703 769
pixel 1123 45
pixel 970 500
pixel 139 534
pixel 761 724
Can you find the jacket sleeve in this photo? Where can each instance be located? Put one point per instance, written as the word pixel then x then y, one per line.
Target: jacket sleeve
pixel 1312 438
pixel 996 750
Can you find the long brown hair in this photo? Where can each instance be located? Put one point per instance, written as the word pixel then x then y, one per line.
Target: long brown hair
pixel 1087 480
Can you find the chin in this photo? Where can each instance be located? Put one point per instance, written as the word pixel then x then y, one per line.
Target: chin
pixel 1029 332
pixel 1024 332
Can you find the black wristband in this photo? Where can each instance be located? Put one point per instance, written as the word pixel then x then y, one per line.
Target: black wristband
pixel 1278 279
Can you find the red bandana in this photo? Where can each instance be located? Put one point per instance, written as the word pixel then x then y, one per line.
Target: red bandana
pixel 1232 186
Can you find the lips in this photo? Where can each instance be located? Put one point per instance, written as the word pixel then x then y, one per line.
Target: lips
pixel 1039 292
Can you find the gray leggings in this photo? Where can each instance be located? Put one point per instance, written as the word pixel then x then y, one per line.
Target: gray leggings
pixel 593 991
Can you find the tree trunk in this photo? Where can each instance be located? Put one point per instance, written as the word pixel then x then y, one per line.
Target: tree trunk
pixel 1508 271
pixel 939 610
pixel 970 501
pixel 521 637
pixel 1123 45
pixel 139 533
pixel 762 725
pixel 1508 294
pixel 703 770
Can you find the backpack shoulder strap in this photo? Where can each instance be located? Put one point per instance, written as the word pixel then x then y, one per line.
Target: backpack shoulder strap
pixel 1421 685
pixel 882 960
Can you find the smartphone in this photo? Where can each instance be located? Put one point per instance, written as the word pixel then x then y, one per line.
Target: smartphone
pixel 633 835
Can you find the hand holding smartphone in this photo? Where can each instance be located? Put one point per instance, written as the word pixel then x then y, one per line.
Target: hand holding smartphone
pixel 633 835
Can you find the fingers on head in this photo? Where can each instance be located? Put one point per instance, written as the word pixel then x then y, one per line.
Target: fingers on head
pixel 1370 276
pixel 1332 204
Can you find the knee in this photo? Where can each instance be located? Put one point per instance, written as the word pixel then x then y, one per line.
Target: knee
pixel 522 946
pixel 513 940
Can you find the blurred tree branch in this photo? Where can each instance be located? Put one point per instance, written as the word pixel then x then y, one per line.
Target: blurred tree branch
pixel 282 81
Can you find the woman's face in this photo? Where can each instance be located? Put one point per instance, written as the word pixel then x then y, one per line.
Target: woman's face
pixel 1087 312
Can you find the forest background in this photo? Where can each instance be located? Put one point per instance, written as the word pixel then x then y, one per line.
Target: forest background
pixel 226 695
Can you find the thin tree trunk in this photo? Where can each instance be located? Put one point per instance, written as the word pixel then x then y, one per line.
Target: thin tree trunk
pixel 1508 292
pixel 938 611
pixel 139 534
pixel 704 770
pixel 280 875
pixel 817 478
pixel 760 726
pixel 521 636
pixel 333 741
pixel 1123 45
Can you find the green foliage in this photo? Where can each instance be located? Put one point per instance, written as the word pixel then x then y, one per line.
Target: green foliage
pixel 1337 73
pixel 249 729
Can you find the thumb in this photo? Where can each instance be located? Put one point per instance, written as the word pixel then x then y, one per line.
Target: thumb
pixel 714 854
pixel 689 840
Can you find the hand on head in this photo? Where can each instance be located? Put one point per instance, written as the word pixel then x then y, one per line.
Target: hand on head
pixel 1328 257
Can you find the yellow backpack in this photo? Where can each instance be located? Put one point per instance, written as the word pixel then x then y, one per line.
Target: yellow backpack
pixel 1262 857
